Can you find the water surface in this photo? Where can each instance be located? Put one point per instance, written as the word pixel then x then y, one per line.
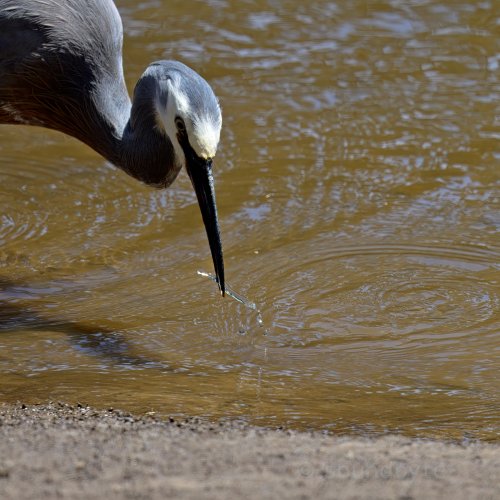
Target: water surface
pixel 358 191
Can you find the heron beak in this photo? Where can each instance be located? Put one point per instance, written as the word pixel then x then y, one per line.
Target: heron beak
pixel 200 173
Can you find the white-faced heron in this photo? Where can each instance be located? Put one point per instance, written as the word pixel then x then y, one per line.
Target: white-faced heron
pixel 61 68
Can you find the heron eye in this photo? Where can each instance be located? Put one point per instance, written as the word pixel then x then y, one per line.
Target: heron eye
pixel 179 123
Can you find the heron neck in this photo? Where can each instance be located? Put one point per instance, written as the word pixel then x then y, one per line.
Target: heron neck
pixel 132 139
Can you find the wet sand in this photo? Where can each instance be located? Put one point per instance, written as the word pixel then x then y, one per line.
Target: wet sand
pixel 63 451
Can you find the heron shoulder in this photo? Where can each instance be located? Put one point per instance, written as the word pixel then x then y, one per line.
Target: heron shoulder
pixel 92 28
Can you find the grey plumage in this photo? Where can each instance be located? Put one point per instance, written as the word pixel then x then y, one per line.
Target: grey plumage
pixel 61 68
pixel 54 64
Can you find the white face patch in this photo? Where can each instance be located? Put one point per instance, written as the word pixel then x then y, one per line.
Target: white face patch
pixel 177 105
pixel 205 138
pixel 180 100
pixel 202 132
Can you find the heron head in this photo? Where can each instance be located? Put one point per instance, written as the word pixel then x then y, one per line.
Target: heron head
pixel 189 112
pixel 190 116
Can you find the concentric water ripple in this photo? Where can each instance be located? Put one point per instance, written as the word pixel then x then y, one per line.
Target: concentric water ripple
pixel 405 290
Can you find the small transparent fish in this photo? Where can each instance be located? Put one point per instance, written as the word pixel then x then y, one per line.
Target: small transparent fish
pixel 236 296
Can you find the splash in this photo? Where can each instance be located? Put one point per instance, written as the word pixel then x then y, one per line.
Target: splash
pixel 236 296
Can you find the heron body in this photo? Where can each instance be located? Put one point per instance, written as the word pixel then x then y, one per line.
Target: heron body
pixel 61 68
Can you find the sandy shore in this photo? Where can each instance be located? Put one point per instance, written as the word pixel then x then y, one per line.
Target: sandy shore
pixel 61 451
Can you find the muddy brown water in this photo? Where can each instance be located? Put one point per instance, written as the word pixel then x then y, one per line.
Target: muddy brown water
pixel 358 192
